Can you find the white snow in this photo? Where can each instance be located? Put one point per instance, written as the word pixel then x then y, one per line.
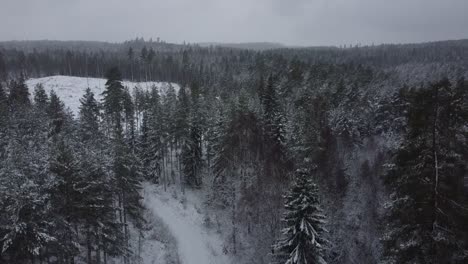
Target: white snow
pixel 70 89
pixel 196 244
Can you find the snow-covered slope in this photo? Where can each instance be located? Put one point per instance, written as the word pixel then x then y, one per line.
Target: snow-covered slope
pixel 71 89
pixel 196 244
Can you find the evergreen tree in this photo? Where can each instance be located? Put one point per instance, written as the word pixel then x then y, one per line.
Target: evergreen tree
pixel 124 164
pixel 113 98
pixel 276 162
pixel 129 117
pixel 169 106
pixel 3 97
pixel 97 211
pixel 151 138
pixel 192 156
pixel 19 93
pixel 89 116
pixel 182 116
pixel 26 220
pixel 131 55
pixel 65 201
pixel 427 213
pixel 41 99
pixel 303 240
pixel 125 171
pixel 56 113
pixel 3 68
pixel 3 111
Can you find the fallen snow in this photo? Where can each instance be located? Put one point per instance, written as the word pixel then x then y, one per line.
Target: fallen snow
pixel 196 244
pixel 70 89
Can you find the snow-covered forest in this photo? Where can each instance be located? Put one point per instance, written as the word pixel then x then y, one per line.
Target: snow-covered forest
pixel 151 152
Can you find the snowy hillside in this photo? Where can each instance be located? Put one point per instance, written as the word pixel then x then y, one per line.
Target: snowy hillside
pixel 184 219
pixel 71 89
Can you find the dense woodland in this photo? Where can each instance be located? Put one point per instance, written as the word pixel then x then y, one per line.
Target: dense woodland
pixel 313 155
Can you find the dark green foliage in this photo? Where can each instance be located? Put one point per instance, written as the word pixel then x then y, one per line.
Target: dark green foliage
pixel 150 142
pixel 41 99
pixel 113 97
pixel 276 160
pixel 3 104
pixel 19 93
pixel 89 116
pixel 428 211
pixel 192 156
pixel 65 200
pixel 56 112
pixel 303 240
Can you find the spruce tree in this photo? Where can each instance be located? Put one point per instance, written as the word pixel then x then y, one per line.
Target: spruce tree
pixel 113 98
pixel 124 165
pixel 97 211
pixel 19 93
pixel 192 156
pixel 56 113
pixel 303 236
pixel 26 222
pixel 427 213
pixel 276 162
pixel 3 109
pixel 65 200
pixel 89 116
pixel 151 138
pixel 129 117
pixel 182 116
pixel 41 99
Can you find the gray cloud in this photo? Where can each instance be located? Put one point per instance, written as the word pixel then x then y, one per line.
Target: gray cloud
pixel 297 22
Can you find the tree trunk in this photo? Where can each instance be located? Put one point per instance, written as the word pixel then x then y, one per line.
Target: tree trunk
pixel 436 171
pixel 98 246
pixel 88 244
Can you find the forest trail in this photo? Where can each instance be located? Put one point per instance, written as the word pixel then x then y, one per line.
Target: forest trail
pixel 196 245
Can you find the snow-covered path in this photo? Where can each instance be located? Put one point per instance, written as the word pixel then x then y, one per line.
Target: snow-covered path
pixel 195 244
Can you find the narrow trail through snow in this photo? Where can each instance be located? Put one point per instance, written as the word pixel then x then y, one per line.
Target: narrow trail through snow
pixel 195 244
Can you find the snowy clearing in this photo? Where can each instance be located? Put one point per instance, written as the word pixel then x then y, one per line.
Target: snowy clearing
pixel 196 244
pixel 70 89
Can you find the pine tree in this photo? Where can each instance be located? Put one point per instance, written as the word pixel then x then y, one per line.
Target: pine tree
pixel 41 99
pixel 3 110
pixel 151 138
pixel 65 200
pixel 125 171
pixel 3 97
pixel 427 214
pixel 169 106
pixel 3 68
pixel 113 98
pixel 143 58
pixel 192 156
pixel 26 220
pixel 129 117
pixel 182 116
pixel 131 55
pixel 89 116
pixel 3 121
pixel 124 164
pixel 215 133
pixel 102 229
pixel 390 114
pixel 56 113
pixel 276 162
pixel 19 93
pixel 303 240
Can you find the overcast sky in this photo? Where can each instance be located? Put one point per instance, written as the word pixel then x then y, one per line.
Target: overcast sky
pixel 294 22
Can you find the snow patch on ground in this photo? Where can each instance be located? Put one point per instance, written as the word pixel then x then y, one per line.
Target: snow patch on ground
pixel 70 89
pixel 196 244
